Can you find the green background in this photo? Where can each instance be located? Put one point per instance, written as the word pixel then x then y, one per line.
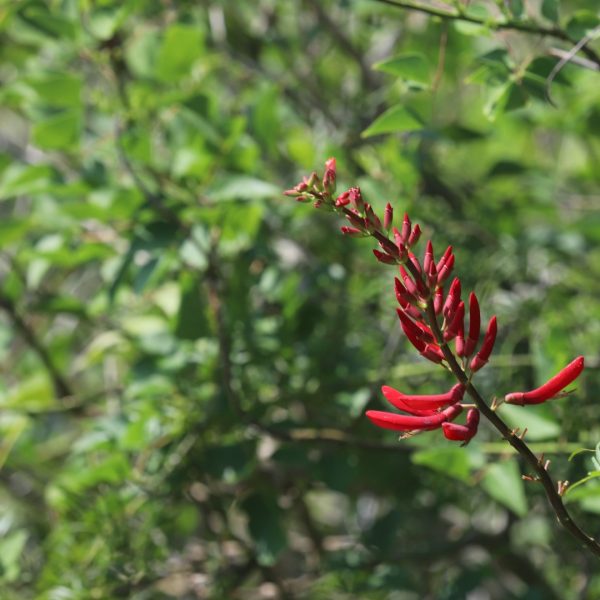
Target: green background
pixel 186 354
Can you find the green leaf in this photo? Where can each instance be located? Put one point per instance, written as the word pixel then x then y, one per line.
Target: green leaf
pixel 18 180
pixel 181 47
pixel 539 426
pixel 579 451
pixel 11 549
pixel 264 524
pixel 502 481
pixel 60 131
pixel 242 187
pixel 550 10
pixel 397 118
pixel 61 90
pixel 504 98
pixel 452 461
pixel 591 475
pixel 412 68
pixel 516 8
pixel 583 23
pixel 191 319
pixel 34 394
pixel 45 21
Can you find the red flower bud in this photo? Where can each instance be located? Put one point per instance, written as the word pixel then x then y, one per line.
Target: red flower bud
pixel 403 296
pixel 388 217
pixel 433 353
pixel 551 388
pixel 406 229
pixel 389 247
pixel 489 339
pixel 371 219
pixel 444 258
pixel 474 325
pixel 396 422
pixel 459 341
pixel 343 199
pixel 414 236
pixel 408 282
pixel 356 199
pixel 428 257
pixel 329 176
pixel 453 299
pixel 457 323
pixel 384 258
pixel 351 231
pixel 355 219
pixel 445 270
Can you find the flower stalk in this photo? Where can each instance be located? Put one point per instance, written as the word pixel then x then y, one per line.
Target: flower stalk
pixel 421 294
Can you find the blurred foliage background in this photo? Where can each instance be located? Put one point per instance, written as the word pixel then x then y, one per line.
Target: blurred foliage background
pixel 186 354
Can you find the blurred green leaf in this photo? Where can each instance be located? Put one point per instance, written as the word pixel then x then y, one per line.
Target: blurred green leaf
pixel 412 68
pixel 550 10
pixel 264 524
pixel 395 119
pixel 539 426
pixel 451 461
pixel 502 481
pixel 181 47
pixel 11 549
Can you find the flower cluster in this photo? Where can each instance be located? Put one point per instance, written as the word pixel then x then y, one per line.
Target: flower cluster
pixel 432 314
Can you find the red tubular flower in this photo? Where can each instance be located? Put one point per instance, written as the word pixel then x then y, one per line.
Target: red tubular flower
pixel 417 412
pixel 489 339
pixel 409 402
pixel 462 433
pixel 397 422
pixel 474 325
pixel 551 388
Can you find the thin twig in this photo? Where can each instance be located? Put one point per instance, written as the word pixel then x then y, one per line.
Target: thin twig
pixel 523 27
pixel 568 57
pixel 61 387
